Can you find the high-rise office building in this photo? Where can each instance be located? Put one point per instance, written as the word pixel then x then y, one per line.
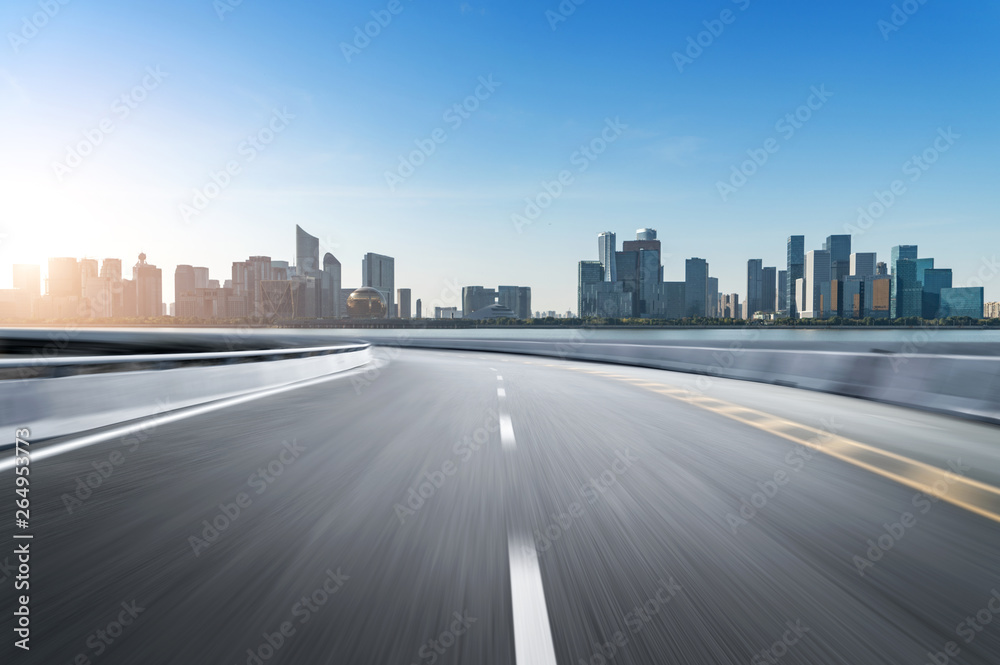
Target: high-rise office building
pixel 331 287
pixel 259 270
pixel 588 274
pixel 281 271
pixel 403 296
pixel 650 281
pixel 902 252
pixel 878 299
pixel 28 278
pixel 713 297
pixel 755 285
pixel 88 269
pixel 379 272
pixel 907 292
pixel 696 287
pixel 933 282
pixel 818 272
pixel 627 273
pixel 475 298
pixel 963 301
pixel 839 247
pixel 863 264
pixel 420 309
pixel 306 253
pixel 111 268
pixel 782 304
pixel 64 278
pixel 733 309
pixel 671 303
pixel 97 293
pixel 881 268
pixel 796 247
pixel 148 288
pixel 768 289
pixel 184 283
pixel 923 265
pixel 517 299
pixel 201 278
pixel 606 248
pixel 853 297
pixel 645 239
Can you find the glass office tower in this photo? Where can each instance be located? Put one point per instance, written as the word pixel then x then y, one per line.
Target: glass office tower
pixel 796 250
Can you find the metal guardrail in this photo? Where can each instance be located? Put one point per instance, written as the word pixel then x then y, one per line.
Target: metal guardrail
pixel 38 368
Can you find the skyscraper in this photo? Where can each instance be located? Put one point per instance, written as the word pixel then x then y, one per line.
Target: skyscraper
pixel 817 273
pixel 796 247
pixel 379 272
pixel 259 270
pixel 404 303
pixel 200 278
pixel 963 301
pixel 517 299
pixel 331 287
pixel 606 247
pixel 588 274
pixel 64 278
pixel 853 298
pixel 863 264
pixel 782 305
pixel 922 266
pixel 28 278
pixel 111 268
pixel 475 298
pixel 420 309
pixel 713 298
pixel 768 289
pixel 933 282
pixel 645 239
pixel 306 253
pixel 901 252
pixel 696 287
pixel 184 283
pixel 649 280
pixel 839 247
pixel 755 278
pixel 907 292
pixel 148 288
pixel 878 300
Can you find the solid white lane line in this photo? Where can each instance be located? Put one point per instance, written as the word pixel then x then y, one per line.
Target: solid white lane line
pixel 501 392
pixel 532 634
pixel 148 424
pixel 507 433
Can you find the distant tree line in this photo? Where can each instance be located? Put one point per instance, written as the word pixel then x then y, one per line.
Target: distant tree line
pixel 695 322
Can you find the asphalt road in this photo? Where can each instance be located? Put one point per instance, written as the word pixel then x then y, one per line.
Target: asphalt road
pixel 470 508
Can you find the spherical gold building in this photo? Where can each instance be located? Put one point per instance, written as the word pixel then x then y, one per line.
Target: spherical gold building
pixel 367 303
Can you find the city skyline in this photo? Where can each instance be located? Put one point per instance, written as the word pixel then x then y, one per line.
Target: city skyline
pixel 853 262
pixel 644 137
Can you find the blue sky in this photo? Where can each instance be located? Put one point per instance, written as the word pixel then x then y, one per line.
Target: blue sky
pixel 346 122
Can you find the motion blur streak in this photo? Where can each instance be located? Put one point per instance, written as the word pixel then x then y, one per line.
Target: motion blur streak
pixel 625 496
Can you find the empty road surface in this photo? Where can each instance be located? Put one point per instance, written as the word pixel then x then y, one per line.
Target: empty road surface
pixel 448 507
